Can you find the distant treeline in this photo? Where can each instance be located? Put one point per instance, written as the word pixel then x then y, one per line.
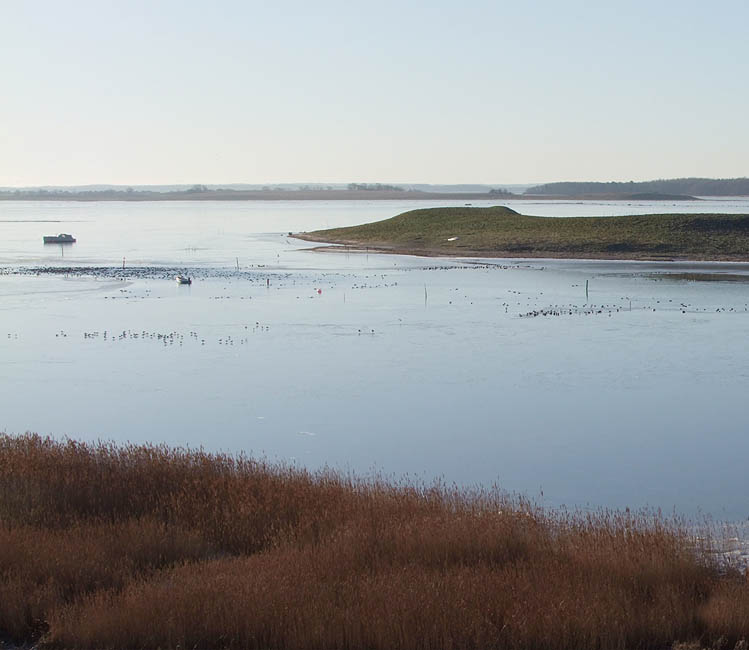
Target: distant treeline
pixel 374 187
pixel 354 191
pixel 690 186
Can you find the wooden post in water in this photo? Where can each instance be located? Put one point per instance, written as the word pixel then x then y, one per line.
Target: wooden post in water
pixel 425 295
pixel 586 290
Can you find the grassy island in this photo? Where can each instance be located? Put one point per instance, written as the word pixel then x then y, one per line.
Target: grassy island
pixel 502 232
pixel 105 546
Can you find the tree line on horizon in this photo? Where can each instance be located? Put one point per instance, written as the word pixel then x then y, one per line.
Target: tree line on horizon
pixel 676 187
pixel 687 186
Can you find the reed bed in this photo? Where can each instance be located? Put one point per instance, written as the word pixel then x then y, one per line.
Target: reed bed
pixel 105 546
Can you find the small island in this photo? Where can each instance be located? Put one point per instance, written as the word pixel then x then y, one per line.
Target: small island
pixel 502 232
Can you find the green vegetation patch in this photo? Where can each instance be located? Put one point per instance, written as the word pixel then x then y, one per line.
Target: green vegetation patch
pixel 502 231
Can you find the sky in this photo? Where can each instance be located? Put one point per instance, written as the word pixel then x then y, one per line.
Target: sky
pixel 140 92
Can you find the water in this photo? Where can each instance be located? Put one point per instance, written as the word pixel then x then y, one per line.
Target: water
pixel 476 371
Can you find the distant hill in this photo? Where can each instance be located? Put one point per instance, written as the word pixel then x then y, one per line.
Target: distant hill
pixel 674 186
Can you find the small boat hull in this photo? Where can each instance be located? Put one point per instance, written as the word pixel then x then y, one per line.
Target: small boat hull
pixel 62 238
pixel 183 279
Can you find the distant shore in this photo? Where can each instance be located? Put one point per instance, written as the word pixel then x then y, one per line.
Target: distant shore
pixel 500 232
pixel 317 195
pixel 250 195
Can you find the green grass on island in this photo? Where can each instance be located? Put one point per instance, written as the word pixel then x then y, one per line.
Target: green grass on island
pixel 501 232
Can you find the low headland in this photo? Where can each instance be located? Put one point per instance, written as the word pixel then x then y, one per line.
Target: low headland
pixel 502 232
pixel 106 546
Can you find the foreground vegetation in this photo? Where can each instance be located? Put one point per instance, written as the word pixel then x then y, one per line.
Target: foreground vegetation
pixel 144 547
pixel 500 232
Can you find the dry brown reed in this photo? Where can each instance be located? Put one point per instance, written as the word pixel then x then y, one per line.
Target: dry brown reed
pixel 144 547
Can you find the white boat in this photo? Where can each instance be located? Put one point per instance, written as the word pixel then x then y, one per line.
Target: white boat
pixel 183 279
pixel 62 238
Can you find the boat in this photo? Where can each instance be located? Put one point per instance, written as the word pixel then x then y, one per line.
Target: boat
pixel 62 238
pixel 183 279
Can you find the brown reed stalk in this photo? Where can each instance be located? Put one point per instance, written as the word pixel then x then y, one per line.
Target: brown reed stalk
pixel 146 546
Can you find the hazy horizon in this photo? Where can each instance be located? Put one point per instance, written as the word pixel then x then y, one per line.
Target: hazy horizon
pixel 177 93
pixel 282 184
pixel 292 185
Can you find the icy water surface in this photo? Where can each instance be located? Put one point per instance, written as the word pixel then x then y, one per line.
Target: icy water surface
pixel 477 371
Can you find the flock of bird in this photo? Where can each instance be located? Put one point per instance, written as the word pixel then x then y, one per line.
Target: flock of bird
pixel 523 304
pixel 174 337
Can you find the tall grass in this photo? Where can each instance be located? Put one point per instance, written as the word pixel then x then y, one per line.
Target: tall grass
pixel 144 547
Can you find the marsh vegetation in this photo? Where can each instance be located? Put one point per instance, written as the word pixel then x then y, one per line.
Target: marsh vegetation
pixel 149 546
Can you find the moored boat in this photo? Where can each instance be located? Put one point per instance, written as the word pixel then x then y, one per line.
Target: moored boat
pixel 62 238
pixel 183 279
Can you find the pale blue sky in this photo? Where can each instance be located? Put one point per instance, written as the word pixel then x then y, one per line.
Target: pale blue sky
pixel 229 91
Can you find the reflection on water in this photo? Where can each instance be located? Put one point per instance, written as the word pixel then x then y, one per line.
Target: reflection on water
pixel 497 371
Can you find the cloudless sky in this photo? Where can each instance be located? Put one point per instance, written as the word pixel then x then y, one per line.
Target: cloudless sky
pixel 138 92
